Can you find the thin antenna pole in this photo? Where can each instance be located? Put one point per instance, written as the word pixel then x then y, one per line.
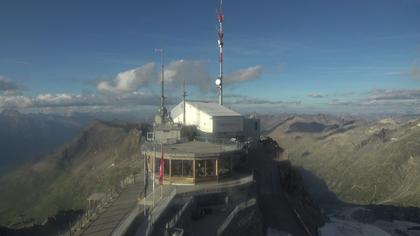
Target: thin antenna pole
pixel 220 19
pixel 184 95
pixel 162 83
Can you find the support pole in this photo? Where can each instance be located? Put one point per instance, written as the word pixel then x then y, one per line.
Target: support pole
pixel 194 170
pixel 145 181
pixel 162 84
pixel 217 169
pixel 154 171
pixel 221 76
pixel 163 171
pixel 184 95
pixel 220 19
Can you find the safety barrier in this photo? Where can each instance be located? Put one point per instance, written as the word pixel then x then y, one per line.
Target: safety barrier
pixel 175 219
pixel 241 206
pixel 157 211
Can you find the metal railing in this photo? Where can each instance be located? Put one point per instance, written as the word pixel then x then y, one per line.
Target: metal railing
pixel 174 221
pixel 241 206
pixel 226 141
pixel 82 224
pixel 157 211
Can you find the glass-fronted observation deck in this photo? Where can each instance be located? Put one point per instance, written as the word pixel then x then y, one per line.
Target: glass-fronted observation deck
pixel 195 161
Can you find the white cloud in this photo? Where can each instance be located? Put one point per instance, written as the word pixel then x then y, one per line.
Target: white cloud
pixel 382 101
pixel 394 94
pixel 316 95
pixel 243 75
pixel 6 85
pixel 240 99
pixel 66 100
pixel 193 72
pixel 414 72
pixel 45 100
pixel 129 88
pixel 16 101
pixel 129 81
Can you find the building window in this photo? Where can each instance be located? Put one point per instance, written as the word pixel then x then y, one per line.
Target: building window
pixel 224 166
pixel 210 167
pixel 177 168
pixel 187 168
pixel 205 168
pixel 182 168
pixel 200 168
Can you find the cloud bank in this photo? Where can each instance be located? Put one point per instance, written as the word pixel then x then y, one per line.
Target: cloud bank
pixel 194 72
pixel 414 72
pixel 394 94
pixel 8 86
pixel 243 75
pixel 128 88
pixel 316 95
pixel 129 81
pixel 86 101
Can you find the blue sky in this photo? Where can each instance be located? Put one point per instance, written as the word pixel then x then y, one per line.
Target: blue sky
pixel 303 56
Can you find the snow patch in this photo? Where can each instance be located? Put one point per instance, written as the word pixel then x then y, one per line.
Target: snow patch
pixel 350 228
pixel 342 223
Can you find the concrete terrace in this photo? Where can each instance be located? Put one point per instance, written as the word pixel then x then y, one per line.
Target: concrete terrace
pixel 118 213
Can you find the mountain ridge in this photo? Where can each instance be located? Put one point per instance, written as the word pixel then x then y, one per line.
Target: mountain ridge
pixel 26 137
pixel 361 162
pixel 97 159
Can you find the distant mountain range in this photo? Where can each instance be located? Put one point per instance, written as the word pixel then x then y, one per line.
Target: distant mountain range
pixel 25 137
pixel 364 162
pixel 100 156
pixel 359 161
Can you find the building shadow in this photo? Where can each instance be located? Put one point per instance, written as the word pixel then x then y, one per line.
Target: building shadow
pixel 367 213
pixel 319 191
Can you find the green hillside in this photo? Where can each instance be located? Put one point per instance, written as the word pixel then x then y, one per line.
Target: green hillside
pixel 361 162
pixel 97 160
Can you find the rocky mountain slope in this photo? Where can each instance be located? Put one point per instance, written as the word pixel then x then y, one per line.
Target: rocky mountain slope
pixel 95 161
pixel 360 162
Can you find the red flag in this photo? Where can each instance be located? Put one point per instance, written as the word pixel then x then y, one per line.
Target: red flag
pixel 161 167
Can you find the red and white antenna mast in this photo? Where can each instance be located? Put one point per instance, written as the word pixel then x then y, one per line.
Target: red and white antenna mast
pixel 219 80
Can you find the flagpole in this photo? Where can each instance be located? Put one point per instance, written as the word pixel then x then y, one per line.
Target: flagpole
pixel 163 171
pixel 154 170
pixel 145 194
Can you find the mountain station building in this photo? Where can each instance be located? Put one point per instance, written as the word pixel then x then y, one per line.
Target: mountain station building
pixel 220 137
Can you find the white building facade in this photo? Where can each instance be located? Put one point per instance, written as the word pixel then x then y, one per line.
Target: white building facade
pixel 208 117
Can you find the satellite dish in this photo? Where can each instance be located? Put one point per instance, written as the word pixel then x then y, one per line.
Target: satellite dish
pixel 218 82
